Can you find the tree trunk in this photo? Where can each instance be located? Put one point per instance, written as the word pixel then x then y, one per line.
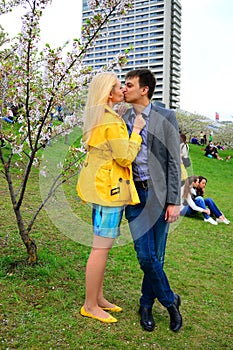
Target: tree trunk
pixel 31 251
pixel 31 247
pixel 29 242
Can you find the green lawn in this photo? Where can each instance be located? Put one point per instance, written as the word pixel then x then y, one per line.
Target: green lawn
pixel 39 305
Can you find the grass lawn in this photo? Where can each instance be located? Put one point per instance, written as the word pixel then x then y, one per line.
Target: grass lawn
pixel 39 306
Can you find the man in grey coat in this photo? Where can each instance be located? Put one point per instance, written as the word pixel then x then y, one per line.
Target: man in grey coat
pixel 156 172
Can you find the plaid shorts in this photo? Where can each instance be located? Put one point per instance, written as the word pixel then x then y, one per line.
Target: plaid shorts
pixel 106 220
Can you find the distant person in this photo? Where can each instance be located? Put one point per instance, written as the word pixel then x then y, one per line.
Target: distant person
pixel 184 151
pixel 3 144
pixel 189 206
pixel 194 140
pixel 9 116
pixel 212 152
pixel 205 139
pixel 220 217
pixel 219 146
pixel 202 140
pixel 59 115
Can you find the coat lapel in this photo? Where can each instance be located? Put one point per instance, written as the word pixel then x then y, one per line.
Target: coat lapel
pixel 154 126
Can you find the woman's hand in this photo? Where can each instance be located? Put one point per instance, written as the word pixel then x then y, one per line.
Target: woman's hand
pixel 206 211
pixel 139 123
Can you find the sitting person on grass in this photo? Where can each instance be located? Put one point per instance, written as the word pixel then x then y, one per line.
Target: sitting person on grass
pixel 220 217
pixel 212 152
pixel 188 206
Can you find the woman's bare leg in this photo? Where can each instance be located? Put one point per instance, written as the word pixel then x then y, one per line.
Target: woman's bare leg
pixel 95 275
pixel 102 302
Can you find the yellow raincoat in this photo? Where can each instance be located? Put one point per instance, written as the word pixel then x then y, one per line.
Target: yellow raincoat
pixel 106 176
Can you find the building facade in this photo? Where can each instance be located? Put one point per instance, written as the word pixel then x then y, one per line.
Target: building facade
pixel 153 30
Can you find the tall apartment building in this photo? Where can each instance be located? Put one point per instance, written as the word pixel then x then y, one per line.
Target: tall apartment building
pixel 153 28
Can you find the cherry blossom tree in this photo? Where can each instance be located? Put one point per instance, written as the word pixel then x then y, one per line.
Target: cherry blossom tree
pixel 225 135
pixel 34 82
pixel 192 124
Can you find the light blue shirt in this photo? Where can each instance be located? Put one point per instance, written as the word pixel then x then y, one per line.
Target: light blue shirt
pixel 140 164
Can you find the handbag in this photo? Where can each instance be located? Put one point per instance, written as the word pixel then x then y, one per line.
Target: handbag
pixel 186 161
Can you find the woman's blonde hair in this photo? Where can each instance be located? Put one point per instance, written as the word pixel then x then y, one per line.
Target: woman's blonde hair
pixel 187 185
pixel 97 98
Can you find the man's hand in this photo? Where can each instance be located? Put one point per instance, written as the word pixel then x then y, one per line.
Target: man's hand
pixel 172 213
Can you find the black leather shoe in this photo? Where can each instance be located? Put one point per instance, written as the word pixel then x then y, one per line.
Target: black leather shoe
pixel 147 322
pixel 175 316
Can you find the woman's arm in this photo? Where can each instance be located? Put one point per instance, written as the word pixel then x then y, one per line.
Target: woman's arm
pixel 124 148
pixel 192 204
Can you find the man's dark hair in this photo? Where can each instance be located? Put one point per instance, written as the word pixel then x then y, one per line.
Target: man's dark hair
pixel 146 78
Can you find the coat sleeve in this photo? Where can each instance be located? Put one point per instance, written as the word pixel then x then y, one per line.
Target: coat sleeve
pixel 124 148
pixel 173 159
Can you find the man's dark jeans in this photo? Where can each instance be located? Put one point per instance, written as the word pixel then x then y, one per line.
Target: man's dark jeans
pixel 149 231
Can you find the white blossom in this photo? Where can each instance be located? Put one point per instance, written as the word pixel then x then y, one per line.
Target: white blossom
pixel 43 172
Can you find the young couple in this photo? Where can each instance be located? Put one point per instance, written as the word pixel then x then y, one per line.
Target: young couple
pixel 133 164
pixel 192 193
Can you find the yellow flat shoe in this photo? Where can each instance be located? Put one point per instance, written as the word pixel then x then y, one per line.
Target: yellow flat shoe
pixel 109 319
pixel 112 309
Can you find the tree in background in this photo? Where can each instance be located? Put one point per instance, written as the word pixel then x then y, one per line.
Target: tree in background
pixel 35 82
pixel 225 135
pixel 192 124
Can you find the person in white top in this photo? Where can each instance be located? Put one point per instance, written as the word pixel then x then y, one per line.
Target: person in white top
pixel 188 206
pixel 184 147
pixel 184 151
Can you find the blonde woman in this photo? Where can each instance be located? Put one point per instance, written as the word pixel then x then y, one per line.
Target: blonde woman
pixel 106 181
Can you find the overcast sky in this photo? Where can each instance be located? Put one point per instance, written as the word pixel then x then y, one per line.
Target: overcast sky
pixel 207 49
